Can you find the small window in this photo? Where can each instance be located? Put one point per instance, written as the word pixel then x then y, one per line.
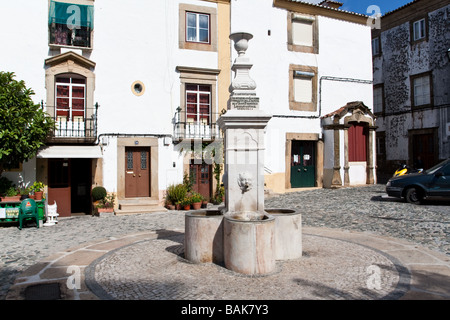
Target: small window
pixel 419 30
pixel 138 88
pixel 303 89
pixel 197 27
pixel 302 33
pixel 376 48
pixel 421 91
pixel 378 99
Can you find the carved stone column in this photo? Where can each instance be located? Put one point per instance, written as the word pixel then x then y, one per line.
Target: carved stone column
pixel 336 182
pixel 346 163
pixel 370 164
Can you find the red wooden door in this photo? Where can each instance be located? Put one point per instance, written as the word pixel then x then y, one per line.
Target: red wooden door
pixel 357 142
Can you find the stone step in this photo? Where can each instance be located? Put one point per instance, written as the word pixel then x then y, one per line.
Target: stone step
pixel 139 205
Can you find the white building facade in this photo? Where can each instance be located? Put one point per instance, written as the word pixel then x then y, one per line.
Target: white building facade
pixel 309 61
pixel 120 78
pixel 135 86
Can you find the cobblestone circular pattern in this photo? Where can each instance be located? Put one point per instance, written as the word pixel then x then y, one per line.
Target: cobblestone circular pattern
pixel 329 269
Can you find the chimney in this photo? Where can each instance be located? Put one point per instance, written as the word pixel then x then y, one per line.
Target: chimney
pixel 331 4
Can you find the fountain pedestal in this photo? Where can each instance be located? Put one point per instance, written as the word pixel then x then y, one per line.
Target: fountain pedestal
pixel 251 238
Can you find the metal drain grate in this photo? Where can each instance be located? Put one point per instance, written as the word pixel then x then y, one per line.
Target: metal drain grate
pixel 48 291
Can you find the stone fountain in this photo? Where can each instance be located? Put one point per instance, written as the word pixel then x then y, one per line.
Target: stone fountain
pixel 244 236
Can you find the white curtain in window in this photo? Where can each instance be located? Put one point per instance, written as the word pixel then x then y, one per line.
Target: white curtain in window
pixel 302 33
pixel 303 89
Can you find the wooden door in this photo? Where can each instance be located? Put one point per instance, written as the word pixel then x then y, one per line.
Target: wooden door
pixel 303 164
pixel 201 178
pixel 59 188
pixel 423 151
pixel 137 172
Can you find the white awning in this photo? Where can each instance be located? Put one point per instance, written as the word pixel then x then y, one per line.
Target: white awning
pixel 70 152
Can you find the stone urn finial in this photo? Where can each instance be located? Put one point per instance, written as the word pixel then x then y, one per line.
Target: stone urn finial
pixel 241 41
pixel 242 64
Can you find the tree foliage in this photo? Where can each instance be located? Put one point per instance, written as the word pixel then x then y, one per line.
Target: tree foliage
pixel 24 126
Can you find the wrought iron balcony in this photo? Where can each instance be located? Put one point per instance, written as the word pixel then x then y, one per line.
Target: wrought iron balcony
pixel 195 127
pixel 73 126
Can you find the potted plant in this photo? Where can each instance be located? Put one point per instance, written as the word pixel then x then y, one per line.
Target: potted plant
pixel 24 193
pixel 196 200
pixel 98 193
pixel 38 188
pixel 186 203
pixel 175 194
pixel 11 194
pixel 204 203
pixel 105 205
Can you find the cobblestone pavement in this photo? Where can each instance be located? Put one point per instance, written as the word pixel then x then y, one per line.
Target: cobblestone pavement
pixel 363 209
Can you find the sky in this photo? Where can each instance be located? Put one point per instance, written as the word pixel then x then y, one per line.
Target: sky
pixel 362 6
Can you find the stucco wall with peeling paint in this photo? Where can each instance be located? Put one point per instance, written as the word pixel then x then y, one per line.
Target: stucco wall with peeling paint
pixel 401 59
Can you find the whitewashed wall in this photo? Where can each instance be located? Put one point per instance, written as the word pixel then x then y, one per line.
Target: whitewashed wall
pixel 344 52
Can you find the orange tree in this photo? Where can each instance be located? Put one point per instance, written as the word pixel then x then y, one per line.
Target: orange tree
pixel 24 126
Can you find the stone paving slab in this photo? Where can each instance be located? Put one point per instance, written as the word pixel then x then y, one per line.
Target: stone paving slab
pixel 336 264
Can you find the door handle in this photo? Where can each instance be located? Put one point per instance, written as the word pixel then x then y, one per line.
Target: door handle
pixel 139 174
pixel 298 170
pixel 134 175
pixel 305 169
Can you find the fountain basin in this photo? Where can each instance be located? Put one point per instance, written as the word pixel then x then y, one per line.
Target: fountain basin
pixel 288 233
pixel 203 241
pixel 249 245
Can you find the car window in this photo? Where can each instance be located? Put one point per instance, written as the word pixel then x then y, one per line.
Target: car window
pixel 438 167
pixel 446 170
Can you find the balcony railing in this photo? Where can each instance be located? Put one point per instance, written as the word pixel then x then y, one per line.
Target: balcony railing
pixel 188 128
pixel 80 128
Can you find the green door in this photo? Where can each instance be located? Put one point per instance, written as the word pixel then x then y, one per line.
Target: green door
pixel 303 169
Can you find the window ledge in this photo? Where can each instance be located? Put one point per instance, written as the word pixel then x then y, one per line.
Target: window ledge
pixel 59 46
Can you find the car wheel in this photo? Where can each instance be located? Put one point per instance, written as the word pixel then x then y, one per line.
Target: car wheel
pixel 413 196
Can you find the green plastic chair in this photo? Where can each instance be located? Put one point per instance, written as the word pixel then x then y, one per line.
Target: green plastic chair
pixel 28 210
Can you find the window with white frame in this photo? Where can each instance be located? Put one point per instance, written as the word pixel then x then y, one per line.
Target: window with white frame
pixel 70 98
pixel 419 30
pixel 197 27
pixel 198 104
pixel 421 88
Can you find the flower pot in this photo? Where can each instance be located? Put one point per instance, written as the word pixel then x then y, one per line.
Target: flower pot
pixel 38 195
pixel 204 204
pixel 196 205
pixel 171 207
pixel 187 207
pixel 178 207
pixel 11 199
